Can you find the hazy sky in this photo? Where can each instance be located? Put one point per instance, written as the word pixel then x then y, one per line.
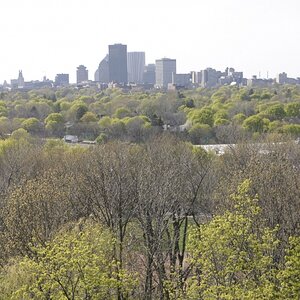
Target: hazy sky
pixel 55 36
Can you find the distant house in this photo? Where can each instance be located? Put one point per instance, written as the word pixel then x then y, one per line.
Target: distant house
pixel 71 138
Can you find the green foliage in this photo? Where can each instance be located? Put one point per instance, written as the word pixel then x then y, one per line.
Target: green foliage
pixel 32 125
pixel 77 110
pixel 274 126
pixel 89 117
pixel 254 123
pixel 292 129
pixel 289 276
pixel 55 117
pixel 220 121
pixel 20 134
pixel 239 118
pixel 55 124
pixel 122 112
pixel 200 133
pixel 201 116
pixel 231 255
pixel 102 138
pixel 293 109
pixel 3 110
pixel 275 112
pixel 221 114
pixel 227 105
pixel 77 264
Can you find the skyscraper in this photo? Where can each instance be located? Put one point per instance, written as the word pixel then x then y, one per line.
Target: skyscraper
pixel 149 74
pixel 102 73
pixel 82 74
pixel 135 66
pixel 163 71
pixel 118 63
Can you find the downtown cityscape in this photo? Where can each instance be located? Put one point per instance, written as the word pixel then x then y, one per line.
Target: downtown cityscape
pixel 150 150
pixel 120 68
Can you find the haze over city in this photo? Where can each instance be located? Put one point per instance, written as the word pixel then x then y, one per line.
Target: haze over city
pixel 44 38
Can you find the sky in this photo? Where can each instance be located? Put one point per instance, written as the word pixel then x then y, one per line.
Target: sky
pixel 46 37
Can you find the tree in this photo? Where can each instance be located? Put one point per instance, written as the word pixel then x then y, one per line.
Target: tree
pixel 77 264
pixel 254 123
pixel 170 179
pixel 202 116
pixel 136 127
pixel 292 129
pixel 200 133
pixel 55 124
pixel 289 276
pixel 293 109
pixel 276 112
pixel 273 168
pixel 35 210
pixel 239 118
pixel 32 125
pixel 89 117
pixel 77 110
pixel 232 256
pixel 56 117
pixel 106 189
pixel 122 112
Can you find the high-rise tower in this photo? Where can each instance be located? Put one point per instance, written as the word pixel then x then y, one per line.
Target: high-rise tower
pixel 118 63
pixel 135 66
pixel 102 73
pixel 82 74
pixel 163 71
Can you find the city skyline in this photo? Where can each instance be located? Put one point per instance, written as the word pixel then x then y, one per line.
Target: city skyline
pixel 46 38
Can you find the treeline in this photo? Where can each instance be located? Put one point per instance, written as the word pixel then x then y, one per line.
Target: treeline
pixel 158 220
pixel 202 116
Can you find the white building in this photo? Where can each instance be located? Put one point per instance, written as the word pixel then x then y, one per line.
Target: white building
pixel 135 66
pixel 164 68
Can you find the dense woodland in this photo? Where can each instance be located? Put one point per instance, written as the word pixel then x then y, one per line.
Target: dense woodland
pixel 203 116
pixel 145 214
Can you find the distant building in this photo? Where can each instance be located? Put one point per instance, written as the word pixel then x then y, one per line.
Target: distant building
pixel 210 77
pixel 149 74
pixel 135 66
pixel 14 84
pixel 196 77
pixel 102 73
pixel 118 63
pixel 258 82
pixel 21 82
pixel 82 74
pixel 36 84
pixel 282 78
pixel 62 79
pixel 231 77
pixel 181 80
pixel 163 72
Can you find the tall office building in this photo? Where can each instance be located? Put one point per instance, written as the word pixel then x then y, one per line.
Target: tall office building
pixel 163 71
pixel 135 66
pixel 102 73
pixel 82 74
pixel 149 74
pixel 118 63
